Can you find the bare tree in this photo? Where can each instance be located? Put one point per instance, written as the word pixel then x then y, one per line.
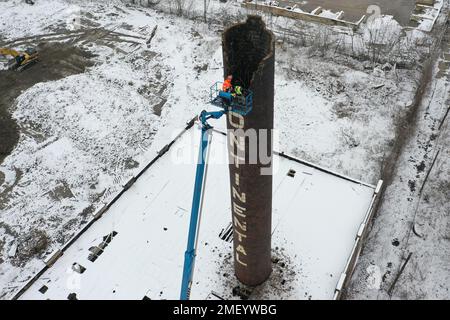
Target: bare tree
pixel 322 42
pixel 146 3
pixel 181 7
pixel 381 37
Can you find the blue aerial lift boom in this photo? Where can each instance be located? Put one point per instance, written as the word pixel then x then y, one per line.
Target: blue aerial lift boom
pixel 227 101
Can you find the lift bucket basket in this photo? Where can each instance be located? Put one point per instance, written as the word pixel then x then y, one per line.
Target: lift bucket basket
pixel 241 104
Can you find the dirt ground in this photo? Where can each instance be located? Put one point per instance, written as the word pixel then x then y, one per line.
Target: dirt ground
pixel 56 61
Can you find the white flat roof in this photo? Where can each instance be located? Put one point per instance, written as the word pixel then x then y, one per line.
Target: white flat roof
pixel 316 217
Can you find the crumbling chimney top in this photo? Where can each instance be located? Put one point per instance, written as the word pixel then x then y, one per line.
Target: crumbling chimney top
pixel 246 46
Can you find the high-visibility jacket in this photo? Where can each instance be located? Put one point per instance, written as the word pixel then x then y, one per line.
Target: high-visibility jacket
pixel 226 85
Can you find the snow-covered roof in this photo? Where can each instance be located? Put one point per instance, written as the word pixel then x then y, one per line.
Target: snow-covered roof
pixel 136 248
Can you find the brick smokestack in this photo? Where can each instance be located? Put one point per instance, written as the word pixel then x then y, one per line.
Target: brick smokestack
pixel 249 55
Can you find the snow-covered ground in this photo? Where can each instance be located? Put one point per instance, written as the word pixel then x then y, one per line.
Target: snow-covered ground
pixel 150 220
pixel 83 135
pixel 416 207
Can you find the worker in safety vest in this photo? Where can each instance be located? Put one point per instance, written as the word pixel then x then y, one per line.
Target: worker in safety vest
pixel 237 91
pixel 226 87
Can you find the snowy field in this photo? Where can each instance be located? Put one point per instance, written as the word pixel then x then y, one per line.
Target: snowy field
pixel 150 222
pixel 83 135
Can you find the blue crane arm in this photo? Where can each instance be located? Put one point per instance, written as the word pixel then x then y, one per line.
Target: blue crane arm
pixel 242 105
pixel 189 255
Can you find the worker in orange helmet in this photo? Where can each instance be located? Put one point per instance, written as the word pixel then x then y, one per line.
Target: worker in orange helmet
pixel 226 87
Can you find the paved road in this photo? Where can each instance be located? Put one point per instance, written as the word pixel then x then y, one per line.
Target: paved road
pixel 355 9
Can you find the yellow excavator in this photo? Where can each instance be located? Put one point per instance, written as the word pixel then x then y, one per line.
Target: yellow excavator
pixel 21 59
